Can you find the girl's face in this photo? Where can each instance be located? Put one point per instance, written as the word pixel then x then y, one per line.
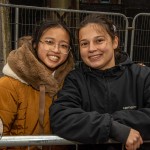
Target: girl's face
pixel 53 47
pixel 97 47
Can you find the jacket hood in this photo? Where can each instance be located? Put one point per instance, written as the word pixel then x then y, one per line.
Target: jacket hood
pixel 122 59
pixel 23 64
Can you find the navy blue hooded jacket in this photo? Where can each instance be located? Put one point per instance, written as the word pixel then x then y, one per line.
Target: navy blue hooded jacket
pixel 96 105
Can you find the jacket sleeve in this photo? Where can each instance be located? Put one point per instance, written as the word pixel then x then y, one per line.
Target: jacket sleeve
pixel 8 104
pixel 70 121
pixel 138 119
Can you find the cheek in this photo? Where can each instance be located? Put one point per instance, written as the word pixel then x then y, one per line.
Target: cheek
pixel 64 58
pixel 39 51
pixel 83 53
pixel 104 47
pixel 107 47
pixel 41 54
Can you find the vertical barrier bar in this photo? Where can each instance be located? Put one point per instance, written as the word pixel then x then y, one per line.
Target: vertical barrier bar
pixel 132 38
pixel 76 146
pixel 126 34
pixel 16 26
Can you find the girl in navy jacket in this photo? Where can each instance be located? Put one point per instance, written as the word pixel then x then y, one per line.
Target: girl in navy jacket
pixel 106 96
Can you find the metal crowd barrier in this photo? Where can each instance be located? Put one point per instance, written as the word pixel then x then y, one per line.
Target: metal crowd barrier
pixel 39 140
pixel 42 140
pixel 33 140
pixel 140 39
pixel 23 20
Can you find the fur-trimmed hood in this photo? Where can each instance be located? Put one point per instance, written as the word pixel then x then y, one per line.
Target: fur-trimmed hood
pixel 23 64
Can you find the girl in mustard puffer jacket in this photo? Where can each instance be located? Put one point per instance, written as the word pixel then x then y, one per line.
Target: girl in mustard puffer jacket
pixel 32 76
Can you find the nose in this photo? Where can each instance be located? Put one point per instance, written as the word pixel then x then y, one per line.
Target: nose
pixel 56 48
pixel 92 47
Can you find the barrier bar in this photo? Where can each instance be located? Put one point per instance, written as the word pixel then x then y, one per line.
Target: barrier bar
pixel 33 140
pixel 40 140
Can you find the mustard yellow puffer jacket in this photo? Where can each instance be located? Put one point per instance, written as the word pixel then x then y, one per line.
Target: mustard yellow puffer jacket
pixel 19 112
pixel 19 107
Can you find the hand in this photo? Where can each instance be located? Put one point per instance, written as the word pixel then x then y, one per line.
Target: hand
pixel 141 64
pixel 134 140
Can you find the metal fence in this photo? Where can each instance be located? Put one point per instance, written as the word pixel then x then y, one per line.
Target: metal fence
pixel 140 41
pixel 23 20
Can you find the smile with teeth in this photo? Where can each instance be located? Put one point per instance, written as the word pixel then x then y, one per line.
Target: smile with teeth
pixel 95 56
pixel 53 58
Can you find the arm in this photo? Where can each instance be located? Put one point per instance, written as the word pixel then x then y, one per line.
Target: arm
pixel 138 119
pixel 69 120
pixel 8 104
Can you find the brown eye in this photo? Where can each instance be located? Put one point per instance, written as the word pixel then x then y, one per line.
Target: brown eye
pixel 49 42
pixel 98 41
pixel 84 44
pixel 65 46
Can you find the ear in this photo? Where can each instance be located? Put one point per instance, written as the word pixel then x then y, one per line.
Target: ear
pixel 115 42
pixel 34 45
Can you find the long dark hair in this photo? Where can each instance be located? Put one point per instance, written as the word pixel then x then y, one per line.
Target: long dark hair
pixel 45 25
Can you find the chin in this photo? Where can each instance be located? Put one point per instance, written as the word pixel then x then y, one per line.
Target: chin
pixel 96 66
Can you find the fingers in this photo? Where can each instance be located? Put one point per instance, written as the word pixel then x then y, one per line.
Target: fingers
pixel 141 64
pixel 137 142
pixel 134 145
pixel 134 140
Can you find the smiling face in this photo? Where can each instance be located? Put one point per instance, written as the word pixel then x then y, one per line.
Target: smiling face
pixel 52 57
pixel 97 47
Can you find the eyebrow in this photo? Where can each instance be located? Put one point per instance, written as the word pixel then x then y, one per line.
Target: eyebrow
pixel 47 38
pixel 99 36
pixel 93 38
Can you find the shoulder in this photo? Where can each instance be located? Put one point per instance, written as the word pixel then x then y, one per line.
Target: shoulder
pixel 8 91
pixel 9 82
pixel 76 77
pixel 14 90
pixel 141 68
pixel 140 71
pixel 10 85
pixel 77 71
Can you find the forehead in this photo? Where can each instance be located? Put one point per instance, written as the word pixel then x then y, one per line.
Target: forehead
pixel 54 29
pixel 96 26
pixel 91 29
pixel 55 32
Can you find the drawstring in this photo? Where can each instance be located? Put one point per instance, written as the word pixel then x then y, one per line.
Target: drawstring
pixel 41 108
pixel 41 114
